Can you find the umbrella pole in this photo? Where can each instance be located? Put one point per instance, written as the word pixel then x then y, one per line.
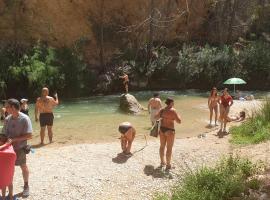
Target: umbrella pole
pixel 234 89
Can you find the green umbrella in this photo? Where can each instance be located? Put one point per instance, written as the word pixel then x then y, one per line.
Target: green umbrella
pixel 234 81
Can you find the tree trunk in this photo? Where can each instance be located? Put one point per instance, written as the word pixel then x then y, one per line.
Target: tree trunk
pixel 151 32
pixel 232 19
pixel 101 51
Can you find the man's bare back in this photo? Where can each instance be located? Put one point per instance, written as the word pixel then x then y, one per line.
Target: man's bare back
pixel 154 103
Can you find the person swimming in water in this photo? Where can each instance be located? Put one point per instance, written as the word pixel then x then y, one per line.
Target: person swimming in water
pixel 128 133
pixel 167 132
pixel 213 105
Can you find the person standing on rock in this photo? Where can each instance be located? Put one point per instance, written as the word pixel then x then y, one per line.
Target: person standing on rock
pixel 128 133
pixel 226 101
pixel 154 105
pixel 18 129
pixel 167 132
pixel 125 81
pixel 44 106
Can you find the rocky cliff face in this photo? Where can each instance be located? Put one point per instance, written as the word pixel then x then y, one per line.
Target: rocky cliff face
pixel 66 22
pixel 80 23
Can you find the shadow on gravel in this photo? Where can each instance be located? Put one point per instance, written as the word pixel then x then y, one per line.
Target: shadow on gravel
pixel 36 146
pixel 120 158
pixel 221 134
pixel 158 172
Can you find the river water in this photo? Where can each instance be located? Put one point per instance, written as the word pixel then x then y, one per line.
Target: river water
pixel 96 119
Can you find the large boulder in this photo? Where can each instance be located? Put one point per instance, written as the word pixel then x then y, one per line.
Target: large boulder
pixel 129 104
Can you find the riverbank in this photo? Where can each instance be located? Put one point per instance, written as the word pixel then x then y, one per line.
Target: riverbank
pixel 96 171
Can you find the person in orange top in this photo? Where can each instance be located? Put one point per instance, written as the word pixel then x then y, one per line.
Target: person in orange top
pixel 225 101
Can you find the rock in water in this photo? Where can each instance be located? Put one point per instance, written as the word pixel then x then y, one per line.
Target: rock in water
pixel 129 104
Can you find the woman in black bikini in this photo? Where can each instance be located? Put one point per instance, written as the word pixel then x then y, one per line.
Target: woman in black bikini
pixel 127 136
pixel 167 132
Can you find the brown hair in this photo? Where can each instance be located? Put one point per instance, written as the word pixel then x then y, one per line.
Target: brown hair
pixel 212 91
pixel 169 101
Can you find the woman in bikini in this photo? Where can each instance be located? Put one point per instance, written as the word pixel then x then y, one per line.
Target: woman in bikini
pixel 167 132
pixel 213 104
pixel 225 101
pixel 127 136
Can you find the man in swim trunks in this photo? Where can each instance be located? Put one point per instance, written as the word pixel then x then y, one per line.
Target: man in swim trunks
pixel 128 133
pixel 125 81
pixel 18 129
pixel 154 105
pixel 44 106
pixel 225 101
pixel 167 132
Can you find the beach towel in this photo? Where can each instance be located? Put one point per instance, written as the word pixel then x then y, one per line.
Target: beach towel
pixel 155 129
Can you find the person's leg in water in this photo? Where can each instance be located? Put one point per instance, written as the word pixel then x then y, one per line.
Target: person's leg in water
pixel 163 141
pixel 50 133
pixel 216 114
pixel 170 141
pixel 42 134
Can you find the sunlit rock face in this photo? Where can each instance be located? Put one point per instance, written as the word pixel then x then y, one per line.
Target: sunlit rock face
pixel 125 23
pixel 69 22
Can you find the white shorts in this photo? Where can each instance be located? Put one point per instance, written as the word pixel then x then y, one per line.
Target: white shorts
pixel 153 113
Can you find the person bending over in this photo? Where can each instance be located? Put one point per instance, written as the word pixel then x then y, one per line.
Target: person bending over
pixel 128 133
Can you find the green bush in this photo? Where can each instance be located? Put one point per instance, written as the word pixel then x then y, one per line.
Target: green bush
pixel 256 129
pixel 228 179
pixel 208 65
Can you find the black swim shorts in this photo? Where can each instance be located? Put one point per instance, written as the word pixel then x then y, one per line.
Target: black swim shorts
pixel 46 119
pixel 124 128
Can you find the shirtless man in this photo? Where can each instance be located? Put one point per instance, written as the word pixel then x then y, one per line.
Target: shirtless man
pixel 154 105
pixel 44 106
pixel 167 132
pixel 125 81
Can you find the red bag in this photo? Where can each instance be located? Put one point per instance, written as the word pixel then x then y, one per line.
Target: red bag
pixel 7 165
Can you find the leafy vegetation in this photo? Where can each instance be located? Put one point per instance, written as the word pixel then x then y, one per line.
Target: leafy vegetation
pixel 230 178
pixel 254 130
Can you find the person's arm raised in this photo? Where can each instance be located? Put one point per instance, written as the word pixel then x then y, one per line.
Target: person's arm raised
pixel 177 118
pixel 56 101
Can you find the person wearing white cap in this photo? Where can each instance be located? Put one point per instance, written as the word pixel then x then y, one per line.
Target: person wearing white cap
pixel 24 106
